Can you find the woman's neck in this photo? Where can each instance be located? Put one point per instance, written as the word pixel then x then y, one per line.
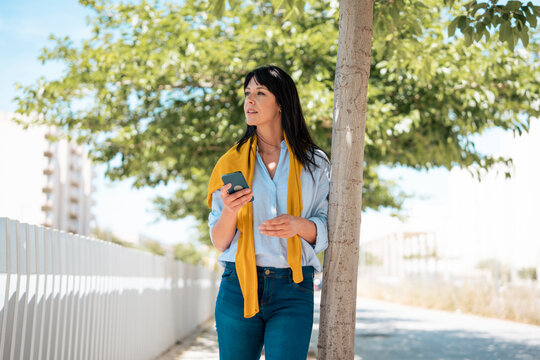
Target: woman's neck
pixel 270 140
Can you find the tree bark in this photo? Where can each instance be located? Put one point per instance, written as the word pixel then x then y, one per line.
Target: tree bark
pixel 338 302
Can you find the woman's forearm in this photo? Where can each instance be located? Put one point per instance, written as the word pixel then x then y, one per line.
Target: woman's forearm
pixel 307 230
pixel 224 230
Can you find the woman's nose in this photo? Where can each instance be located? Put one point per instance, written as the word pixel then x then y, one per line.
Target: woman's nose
pixel 250 98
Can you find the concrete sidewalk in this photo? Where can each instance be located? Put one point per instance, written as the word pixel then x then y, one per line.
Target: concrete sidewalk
pixel 201 344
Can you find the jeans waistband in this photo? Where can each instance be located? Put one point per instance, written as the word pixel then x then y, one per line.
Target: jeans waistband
pixel 262 270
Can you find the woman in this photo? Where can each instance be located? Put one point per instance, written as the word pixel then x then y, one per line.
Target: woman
pixel 269 245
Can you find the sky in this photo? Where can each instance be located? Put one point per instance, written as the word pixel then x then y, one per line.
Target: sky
pixel 24 29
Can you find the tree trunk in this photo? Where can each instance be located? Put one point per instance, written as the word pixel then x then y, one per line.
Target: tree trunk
pixel 338 303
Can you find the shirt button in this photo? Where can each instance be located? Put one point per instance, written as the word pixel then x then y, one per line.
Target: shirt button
pixel 267 272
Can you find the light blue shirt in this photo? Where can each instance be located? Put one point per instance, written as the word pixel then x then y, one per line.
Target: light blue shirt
pixel 271 201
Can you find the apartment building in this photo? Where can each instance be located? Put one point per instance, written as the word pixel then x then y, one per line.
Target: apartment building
pixel 42 181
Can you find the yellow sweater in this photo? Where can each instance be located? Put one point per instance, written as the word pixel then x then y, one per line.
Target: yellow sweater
pixel 246 267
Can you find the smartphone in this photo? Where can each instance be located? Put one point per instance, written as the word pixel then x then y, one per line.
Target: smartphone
pixel 237 180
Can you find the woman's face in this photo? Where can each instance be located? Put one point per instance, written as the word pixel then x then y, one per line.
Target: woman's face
pixel 260 106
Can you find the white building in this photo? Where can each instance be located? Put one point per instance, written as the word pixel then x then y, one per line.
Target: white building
pixel 474 221
pixel 43 182
pixel 498 217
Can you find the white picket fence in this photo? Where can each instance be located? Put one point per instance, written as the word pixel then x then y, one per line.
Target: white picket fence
pixel 64 296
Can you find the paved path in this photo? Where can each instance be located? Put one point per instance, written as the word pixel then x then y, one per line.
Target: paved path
pixel 390 331
pixel 386 331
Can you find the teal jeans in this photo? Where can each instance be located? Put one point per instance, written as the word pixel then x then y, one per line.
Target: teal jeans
pixel 284 321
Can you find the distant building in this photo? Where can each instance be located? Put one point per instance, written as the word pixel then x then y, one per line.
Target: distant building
pixel 498 217
pixel 490 225
pixel 43 182
pixel 402 254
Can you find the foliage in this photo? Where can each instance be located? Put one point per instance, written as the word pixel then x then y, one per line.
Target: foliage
pixel 432 255
pixel 369 259
pixel 528 273
pixel 514 20
pixel 107 235
pixel 188 254
pixel 152 246
pixel 156 92
pixel 148 245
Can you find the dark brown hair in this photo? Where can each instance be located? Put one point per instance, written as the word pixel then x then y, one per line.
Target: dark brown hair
pixel 282 86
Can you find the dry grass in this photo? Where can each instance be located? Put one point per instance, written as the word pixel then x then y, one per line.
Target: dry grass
pixel 521 304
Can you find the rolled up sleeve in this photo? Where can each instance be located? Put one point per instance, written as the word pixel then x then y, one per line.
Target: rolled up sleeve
pixel 215 213
pixel 320 209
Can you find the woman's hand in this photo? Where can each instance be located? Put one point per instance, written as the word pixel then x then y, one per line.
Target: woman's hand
pixel 234 202
pixel 225 228
pixel 286 226
pixel 283 226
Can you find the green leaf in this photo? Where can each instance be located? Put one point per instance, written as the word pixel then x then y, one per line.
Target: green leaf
pixel 519 26
pixel 463 22
pixel 487 34
pixel 531 18
pixel 520 18
pixel 218 8
pixel 513 5
pixel 477 35
pixel 468 40
pixel 279 4
pixel 504 32
pixel 480 27
pixel 524 35
pixel 477 7
pixel 449 3
pixel 468 32
pixel 452 27
pixel 469 5
pixel 511 40
pixel 300 6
